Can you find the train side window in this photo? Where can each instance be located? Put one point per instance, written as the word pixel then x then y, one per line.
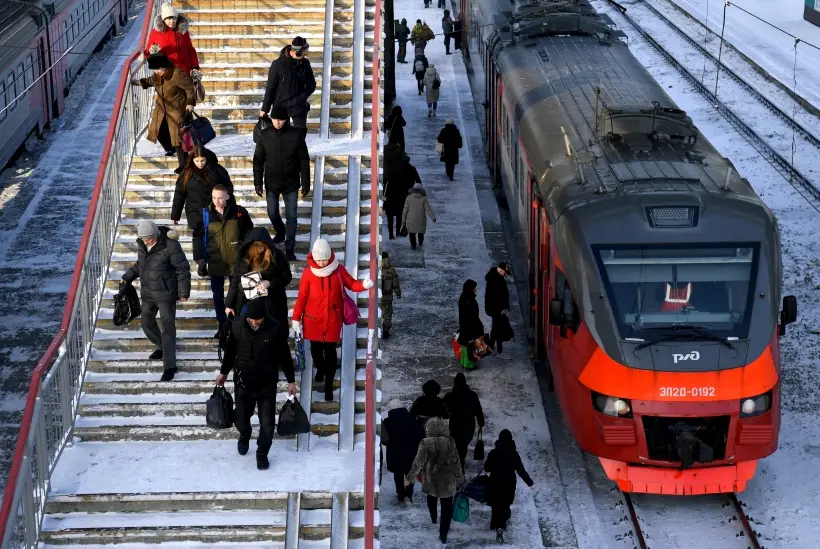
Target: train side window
pixel 77 19
pixel 65 32
pixel 21 80
pixel 85 16
pixel 570 317
pixel 69 39
pixel 30 68
pixel 3 102
pixel 11 91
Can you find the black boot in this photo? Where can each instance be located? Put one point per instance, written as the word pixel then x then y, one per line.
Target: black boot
pixel 168 374
pixel 329 387
pixel 386 333
pixel 320 376
pixel 262 462
pixel 156 355
pixel 290 255
pixel 242 445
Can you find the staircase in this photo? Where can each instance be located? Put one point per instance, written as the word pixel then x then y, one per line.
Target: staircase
pixel 144 468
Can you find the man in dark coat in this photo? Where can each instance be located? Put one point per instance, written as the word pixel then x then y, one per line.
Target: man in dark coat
pixel 399 178
pixel 497 306
pixel 250 353
pixel 503 463
pixel 447 30
pixel 402 439
pixel 465 409
pixel 291 83
pixel 165 278
pixel 429 404
pixel 402 33
pixel 280 162
pixel 450 138
pixel 225 226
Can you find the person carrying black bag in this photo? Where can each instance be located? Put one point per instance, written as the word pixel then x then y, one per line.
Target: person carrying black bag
pixel 465 410
pixel 251 352
pixel 497 306
pixel 291 83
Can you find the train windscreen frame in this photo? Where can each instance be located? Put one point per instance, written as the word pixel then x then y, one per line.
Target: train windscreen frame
pixel 653 286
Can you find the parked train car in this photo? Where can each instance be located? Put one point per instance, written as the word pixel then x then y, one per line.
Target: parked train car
pixel 654 268
pixel 43 46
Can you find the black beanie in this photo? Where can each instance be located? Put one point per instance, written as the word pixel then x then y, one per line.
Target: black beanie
pixel 256 308
pixel 279 113
pixel 158 61
pixel 298 44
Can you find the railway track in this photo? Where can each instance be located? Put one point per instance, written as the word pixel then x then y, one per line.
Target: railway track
pixel 785 143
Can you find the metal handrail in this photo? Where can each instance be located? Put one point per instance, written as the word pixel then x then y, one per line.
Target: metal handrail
pixel 54 392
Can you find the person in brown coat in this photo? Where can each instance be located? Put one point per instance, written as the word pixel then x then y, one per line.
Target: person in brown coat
pixel 174 96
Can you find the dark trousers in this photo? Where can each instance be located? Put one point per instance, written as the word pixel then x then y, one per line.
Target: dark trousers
pixel 446 514
pixel 164 138
pixel 401 491
pixel 218 291
pixel 461 445
pixel 165 339
pixel 495 343
pixel 325 361
pixel 291 199
pixel 500 515
pixel 263 399
pixel 450 168
pixel 441 4
pixel 391 220
pixel 402 51
pixel 413 239
pixel 420 85
pixel 447 42
pixel 197 229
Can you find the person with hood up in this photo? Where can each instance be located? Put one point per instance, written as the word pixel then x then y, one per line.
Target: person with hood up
pixel 390 286
pixel 319 311
pixel 447 29
pixel 226 225
pixel 165 278
pixel 170 33
pixel 281 161
pixel 441 474
pixel 399 177
pixel 465 410
pixel 401 436
pixel 193 194
pixel 429 404
pixel 291 83
pixel 414 215
pixel 402 33
pixel 251 354
pixel 174 95
pixel 394 125
pixel 503 463
pixel 497 306
pixel 451 141
pixel 432 87
pixel 420 65
pixel 470 326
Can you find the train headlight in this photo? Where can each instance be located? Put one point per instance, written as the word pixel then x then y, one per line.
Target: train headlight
pixel 612 406
pixel 751 407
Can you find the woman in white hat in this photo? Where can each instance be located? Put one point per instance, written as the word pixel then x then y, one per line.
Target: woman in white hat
pixel 170 32
pixel 319 311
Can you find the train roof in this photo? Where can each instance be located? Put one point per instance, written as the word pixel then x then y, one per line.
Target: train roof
pixel 594 122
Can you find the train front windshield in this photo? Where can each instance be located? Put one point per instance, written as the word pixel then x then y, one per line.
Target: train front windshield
pixel 707 286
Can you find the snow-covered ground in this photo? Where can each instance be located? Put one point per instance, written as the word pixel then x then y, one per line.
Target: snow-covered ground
pixel 44 204
pixel 771 49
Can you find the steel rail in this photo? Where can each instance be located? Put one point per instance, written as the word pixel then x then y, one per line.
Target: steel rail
pixel 636 525
pixel 744 520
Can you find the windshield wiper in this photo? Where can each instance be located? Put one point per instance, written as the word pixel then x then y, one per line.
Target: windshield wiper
pixel 695 331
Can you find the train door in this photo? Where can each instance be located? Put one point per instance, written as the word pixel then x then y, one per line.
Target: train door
pixel 46 83
pixel 491 95
pixel 545 290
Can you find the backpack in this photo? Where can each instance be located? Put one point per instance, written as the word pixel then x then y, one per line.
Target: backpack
pixel 419 65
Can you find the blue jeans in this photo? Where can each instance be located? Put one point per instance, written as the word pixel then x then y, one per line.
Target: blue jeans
pixel 291 199
pixel 218 289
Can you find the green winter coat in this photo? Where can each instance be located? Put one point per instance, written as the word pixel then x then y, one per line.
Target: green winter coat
pixel 390 280
pixel 223 236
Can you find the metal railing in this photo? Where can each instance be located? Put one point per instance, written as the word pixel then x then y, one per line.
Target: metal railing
pixel 54 394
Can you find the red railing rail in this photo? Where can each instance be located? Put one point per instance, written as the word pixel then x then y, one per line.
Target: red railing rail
pixel 53 395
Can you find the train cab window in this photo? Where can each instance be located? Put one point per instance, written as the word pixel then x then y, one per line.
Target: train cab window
pixel 11 94
pixel 3 102
pixel 570 311
pixel 655 287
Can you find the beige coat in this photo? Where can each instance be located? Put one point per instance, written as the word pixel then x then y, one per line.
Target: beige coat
pixel 438 462
pixel 174 90
pixel 416 210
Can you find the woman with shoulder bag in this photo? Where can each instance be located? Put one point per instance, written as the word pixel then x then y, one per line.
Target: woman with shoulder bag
pixel 432 85
pixel 470 327
pixel 395 124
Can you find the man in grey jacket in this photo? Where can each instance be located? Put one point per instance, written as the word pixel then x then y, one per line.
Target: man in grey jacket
pixel 165 276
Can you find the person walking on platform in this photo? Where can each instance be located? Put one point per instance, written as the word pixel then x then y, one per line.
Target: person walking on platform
pixel 165 278
pixel 420 65
pixel 470 326
pixel 457 33
pixel 465 410
pixel 429 404
pixel 291 83
pixel 394 125
pixel 432 87
pixel 402 36
pixel 401 434
pixel 399 177
pixel 281 160
pixel 414 216
pixel 450 139
pixel 390 286
pixel 441 474
pixel 447 29
pixel 251 352
pixel 497 307
pixel 170 33
pixel 319 310
pixel 503 463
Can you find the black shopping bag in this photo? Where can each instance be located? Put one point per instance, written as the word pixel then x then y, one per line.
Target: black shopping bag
pixel 126 304
pixel 477 488
pixel 502 330
pixel 478 454
pixel 219 412
pixel 292 419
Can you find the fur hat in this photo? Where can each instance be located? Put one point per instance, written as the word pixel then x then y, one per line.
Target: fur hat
pixel 418 186
pixel 157 59
pixel 321 250
pixel 299 44
pixel 169 11
pixel 279 113
pixel 256 308
pixel 147 228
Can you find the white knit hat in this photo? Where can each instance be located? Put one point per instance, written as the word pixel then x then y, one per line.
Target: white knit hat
pixel 169 11
pixel 321 250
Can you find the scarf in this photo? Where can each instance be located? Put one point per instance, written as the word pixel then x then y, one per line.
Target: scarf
pixel 327 270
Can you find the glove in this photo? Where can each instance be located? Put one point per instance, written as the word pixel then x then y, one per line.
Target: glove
pixel 202 269
pixel 367 283
pixel 259 190
pixel 136 82
pixel 189 108
pixel 297 328
pixel 196 76
pixel 305 189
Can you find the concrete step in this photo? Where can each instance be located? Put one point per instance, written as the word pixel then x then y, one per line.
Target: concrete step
pixel 259 71
pixel 269 36
pixel 234 55
pixel 248 111
pixel 254 97
pixel 234 6
pixel 228 82
pixel 336 166
pixel 138 363
pixel 244 194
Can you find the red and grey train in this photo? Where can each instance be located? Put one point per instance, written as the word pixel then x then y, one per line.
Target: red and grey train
pixel 38 35
pixel 654 268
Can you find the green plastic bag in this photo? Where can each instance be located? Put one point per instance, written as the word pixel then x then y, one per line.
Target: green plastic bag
pixel 467 361
pixel 461 507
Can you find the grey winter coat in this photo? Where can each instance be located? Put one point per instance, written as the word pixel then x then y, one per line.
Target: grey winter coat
pixel 416 210
pixel 429 77
pixel 164 271
pixel 438 462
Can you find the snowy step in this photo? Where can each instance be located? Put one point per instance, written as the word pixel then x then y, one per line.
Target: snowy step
pixel 227 96
pixel 217 113
pixel 335 166
pixel 229 56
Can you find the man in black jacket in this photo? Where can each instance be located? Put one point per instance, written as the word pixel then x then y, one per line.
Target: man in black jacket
pixel 465 409
pixel 165 276
pixel 250 353
pixel 497 306
pixel 291 83
pixel 281 161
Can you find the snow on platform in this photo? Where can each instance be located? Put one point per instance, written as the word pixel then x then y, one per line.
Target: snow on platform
pixel 202 466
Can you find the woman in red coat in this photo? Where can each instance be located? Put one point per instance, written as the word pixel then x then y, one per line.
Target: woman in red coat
pixel 319 311
pixel 170 33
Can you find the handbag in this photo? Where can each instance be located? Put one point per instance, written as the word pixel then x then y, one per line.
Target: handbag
pixel 351 310
pixel 440 148
pixel 403 231
pixel 480 347
pixel 477 488
pixel 300 354
pixel 196 131
pixel 502 330
pixel 461 507
pixel 249 282
pixel 219 412
pixel 478 453
pixel 263 124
